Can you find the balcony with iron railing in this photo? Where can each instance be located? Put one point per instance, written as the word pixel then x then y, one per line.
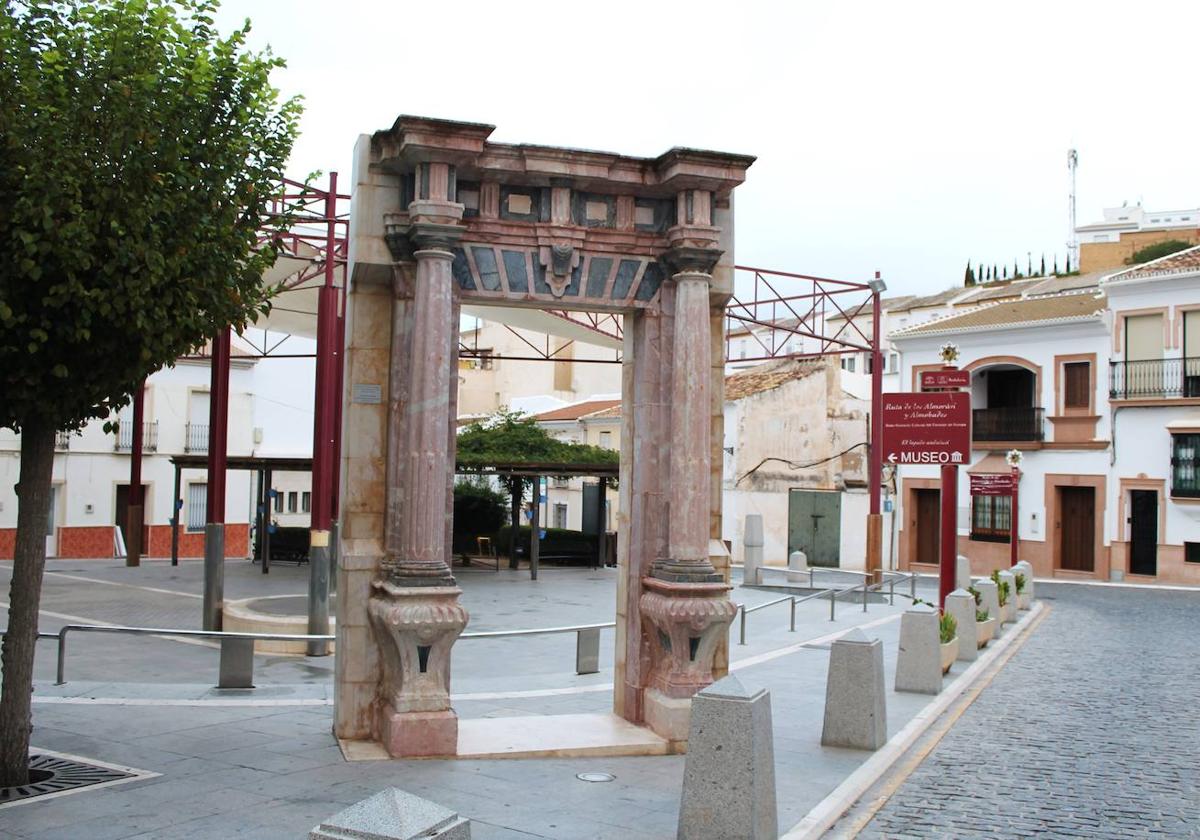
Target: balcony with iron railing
pixel 1154 379
pixel 1007 424
pixel 62 441
pixel 195 438
pixel 124 434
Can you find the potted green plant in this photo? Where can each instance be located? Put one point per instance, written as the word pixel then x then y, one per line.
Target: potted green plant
pixel 1023 598
pixel 985 628
pixel 1008 611
pixel 948 634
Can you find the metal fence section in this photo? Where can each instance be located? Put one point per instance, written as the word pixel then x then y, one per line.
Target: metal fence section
pixel 195 438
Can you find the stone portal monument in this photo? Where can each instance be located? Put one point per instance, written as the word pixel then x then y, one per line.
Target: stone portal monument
pixel 441 217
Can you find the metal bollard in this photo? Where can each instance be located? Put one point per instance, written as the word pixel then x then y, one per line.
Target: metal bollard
pixel 792 627
pixel 237 663
pixel 832 602
pixel 865 588
pixel 742 634
pixel 912 582
pixel 810 577
pixel 587 651
pixel 892 592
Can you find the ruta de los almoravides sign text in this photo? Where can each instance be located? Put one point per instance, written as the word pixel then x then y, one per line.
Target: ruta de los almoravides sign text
pixel 927 428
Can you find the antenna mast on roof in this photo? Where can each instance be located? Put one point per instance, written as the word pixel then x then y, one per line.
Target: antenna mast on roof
pixel 1072 238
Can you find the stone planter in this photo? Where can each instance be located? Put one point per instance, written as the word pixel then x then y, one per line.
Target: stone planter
pixel 949 653
pixel 985 631
pixel 1023 601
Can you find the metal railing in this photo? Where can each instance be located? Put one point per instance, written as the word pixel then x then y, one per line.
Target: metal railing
pixel 1154 378
pixel 587 644
pixel 62 441
pixel 1007 424
pixel 124 435
pixel 195 437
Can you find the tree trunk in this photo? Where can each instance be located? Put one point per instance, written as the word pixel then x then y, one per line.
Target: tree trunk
pixel 515 487
pixel 25 592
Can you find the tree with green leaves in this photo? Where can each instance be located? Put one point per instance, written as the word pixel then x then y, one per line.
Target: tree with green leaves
pixel 138 151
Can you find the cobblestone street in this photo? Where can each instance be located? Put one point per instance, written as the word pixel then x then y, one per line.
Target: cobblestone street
pixel 1091 730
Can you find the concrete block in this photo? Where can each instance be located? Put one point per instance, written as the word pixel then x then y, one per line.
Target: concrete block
pixel 962 572
pixel 1009 610
pixel 752 541
pixel 989 600
pixel 855 705
pixel 961 604
pixel 797 567
pixel 918 663
pixel 668 717
pixel 729 775
pixel 393 814
pixel 1026 568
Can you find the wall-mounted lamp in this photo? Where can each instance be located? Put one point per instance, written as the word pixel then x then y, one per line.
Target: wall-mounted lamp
pixel 877 285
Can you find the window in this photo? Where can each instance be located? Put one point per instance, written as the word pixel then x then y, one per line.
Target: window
pixel 560 482
pixel 606 440
pixel 278 501
pixel 306 501
pixel 1191 552
pixel 1077 385
pixel 893 364
pixel 848 363
pixel 991 518
pixel 1185 465
pixel 292 501
pixel 197 504
pixel 560 515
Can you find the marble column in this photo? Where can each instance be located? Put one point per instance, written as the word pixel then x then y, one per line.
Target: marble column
pixel 685 600
pixel 415 605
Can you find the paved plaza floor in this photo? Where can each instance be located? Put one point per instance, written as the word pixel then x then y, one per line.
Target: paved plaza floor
pixel 263 763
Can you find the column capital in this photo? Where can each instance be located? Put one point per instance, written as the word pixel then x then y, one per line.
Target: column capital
pixel 689 259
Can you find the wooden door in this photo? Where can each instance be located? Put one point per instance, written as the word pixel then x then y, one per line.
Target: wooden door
pixel 1077 528
pixel 122 511
pixel 815 526
pixel 1143 532
pixel 929 526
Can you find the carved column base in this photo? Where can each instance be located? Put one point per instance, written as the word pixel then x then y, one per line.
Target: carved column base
pixel 686 621
pixel 416 628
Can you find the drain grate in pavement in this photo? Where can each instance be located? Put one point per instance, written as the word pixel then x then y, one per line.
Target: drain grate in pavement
pixel 55 774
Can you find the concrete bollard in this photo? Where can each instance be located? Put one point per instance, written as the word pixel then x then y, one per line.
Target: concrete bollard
pixel 855 703
pixel 919 660
pixel 797 567
pixel 1010 608
pixel 393 814
pixel 752 541
pixel 729 774
pixel 962 572
pixel 961 604
pixel 990 601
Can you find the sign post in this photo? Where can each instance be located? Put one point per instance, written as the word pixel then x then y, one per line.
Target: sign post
pixel 933 428
pixel 1012 538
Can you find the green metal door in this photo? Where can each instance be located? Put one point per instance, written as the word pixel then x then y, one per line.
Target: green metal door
pixel 815 525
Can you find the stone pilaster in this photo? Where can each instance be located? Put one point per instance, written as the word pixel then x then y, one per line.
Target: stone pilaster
pixel 415 607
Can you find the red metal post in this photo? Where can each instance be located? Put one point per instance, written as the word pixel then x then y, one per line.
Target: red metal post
pixel 949 538
pixel 339 370
pixel 214 517
pixel 1014 551
pixel 134 516
pixel 325 411
pixel 875 453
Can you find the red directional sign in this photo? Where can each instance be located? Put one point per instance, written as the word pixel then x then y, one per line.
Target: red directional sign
pixel 992 484
pixel 949 378
pixel 927 428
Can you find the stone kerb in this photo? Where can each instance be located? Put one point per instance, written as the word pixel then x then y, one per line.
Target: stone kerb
pixel 729 774
pixel 1009 609
pixel 989 600
pixel 919 660
pixel 855 702
pixel 961 605
pixel 752 540
pixel 393 814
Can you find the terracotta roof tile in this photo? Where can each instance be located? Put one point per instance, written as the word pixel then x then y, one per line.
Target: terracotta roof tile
pixel 578 410
pixel 1013 313
pixel 1180 262
pixel 766 377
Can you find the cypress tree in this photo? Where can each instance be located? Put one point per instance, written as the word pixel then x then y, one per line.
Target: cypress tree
pixel 1056 265
pixel 1042 272
pixel 1005 276
pixel 1068 271
pixel 969 276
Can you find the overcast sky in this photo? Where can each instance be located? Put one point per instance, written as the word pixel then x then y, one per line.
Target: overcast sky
pixel 900 137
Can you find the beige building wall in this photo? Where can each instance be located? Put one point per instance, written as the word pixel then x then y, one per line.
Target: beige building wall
pixel 1101 256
